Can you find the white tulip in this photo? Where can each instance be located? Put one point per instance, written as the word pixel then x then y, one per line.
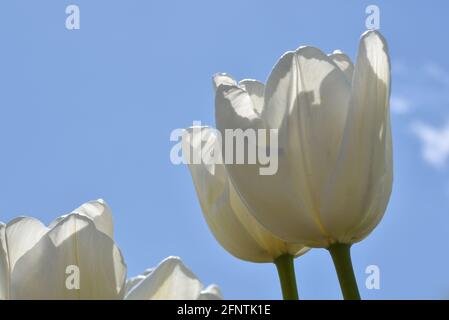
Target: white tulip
pixel 225 212
pixel 170 280
pixel 335 152
pixel 36 262
pixel 39 262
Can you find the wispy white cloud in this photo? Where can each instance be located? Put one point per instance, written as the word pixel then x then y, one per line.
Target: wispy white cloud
pixel 437 73
pixel 435 143
pixel 400 104
pixel 419 88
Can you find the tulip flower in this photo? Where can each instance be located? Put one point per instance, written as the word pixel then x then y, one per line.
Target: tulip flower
pixel 170 280
pixel 75 257
pixel 36 262
pixel 334 151
pixel 227 216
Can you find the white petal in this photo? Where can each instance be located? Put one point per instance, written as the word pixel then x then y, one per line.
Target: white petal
pixel 316 96
pixel 269 197
pixel 41 273
pixel 212 292
pixel 22 234
pixel 356 197
pixel 234 109
pixel 4 265
pixel 225 213
pixel 267 241
pixel 170 280
pixel 16 238
pixel 306 98
pixel 256 91
pixel 148 271
pixel 222 79
pixel 132 282
pixel 99 212
pixel 344 63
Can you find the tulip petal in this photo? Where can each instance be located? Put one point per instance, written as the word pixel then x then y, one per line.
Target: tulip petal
pixel 361 186
pixel 212 187
pixel 22 234
pixel 74 242
pixel 225 213
pixel 212 292
pixel 256 91
pixel 170 280
pixel 234 109
pixel 315 94
pixel 99 212
pixel 132 282
pixel 223 79
pixel 344 63
pixel 4 265
pixel 306 99
pixel 16 238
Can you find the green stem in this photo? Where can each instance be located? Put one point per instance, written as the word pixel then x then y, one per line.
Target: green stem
pixel 341 256
pixel 287 277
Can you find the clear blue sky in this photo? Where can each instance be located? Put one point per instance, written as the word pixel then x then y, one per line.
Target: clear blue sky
pixel 88 113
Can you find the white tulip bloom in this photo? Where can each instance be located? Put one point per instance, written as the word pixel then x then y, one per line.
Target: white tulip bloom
pixel 170 280
pixel 37 262
pixel 226 214
pixel 76 258
pixel 335 151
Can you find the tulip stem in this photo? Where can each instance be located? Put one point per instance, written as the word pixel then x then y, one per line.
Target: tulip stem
pixel 341 255
pixel 287 277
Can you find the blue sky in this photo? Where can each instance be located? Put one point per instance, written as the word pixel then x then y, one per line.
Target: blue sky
pixel 88 114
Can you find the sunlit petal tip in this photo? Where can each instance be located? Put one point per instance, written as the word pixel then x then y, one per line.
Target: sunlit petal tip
pixel 222 79
pixel 170 280
pixel 245 81
pixel 344 62
pixel 74 216
pixel 212 288
pixel 23 219
pixel 373 38
pixel 372 33
pixel 100 212
pixel 301 48
pixel 340 55
pixel 172 259
pixel 287 55
pixel 252 86
pixel 309 51
pixel 212 292
pixel 148 271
